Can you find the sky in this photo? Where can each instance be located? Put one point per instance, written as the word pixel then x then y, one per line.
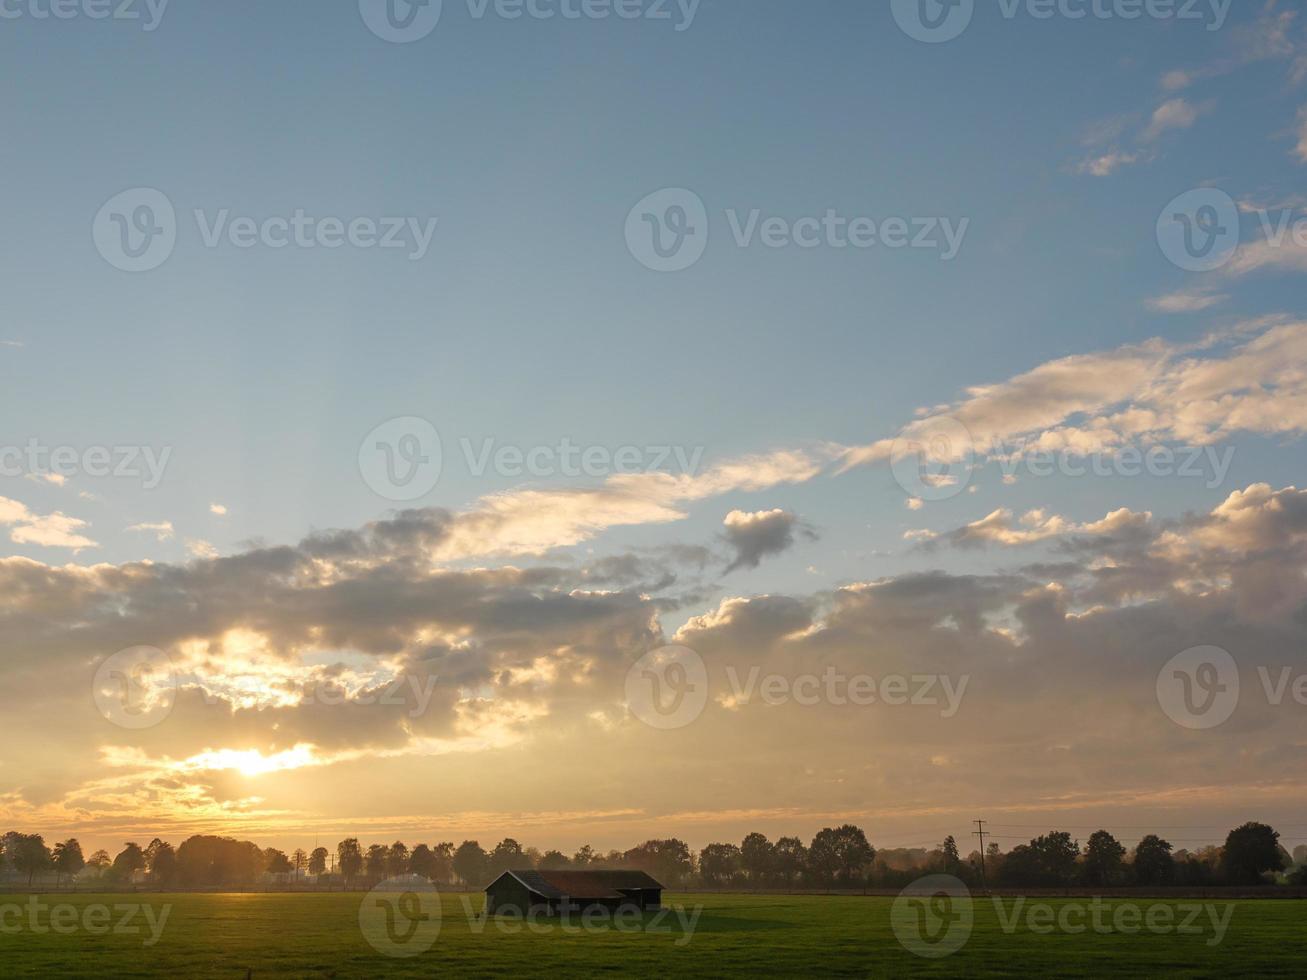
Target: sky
pixel 475 419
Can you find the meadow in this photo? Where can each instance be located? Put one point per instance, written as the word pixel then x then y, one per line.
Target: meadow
pixel 319 935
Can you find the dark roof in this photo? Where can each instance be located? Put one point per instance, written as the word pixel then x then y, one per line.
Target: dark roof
pixel 583 884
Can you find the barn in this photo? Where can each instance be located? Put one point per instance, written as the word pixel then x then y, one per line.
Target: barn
pixel 574 892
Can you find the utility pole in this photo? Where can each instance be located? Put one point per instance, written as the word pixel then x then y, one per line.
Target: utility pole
pixel 980 832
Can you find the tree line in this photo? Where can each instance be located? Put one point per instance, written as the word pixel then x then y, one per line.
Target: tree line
pixel 835 857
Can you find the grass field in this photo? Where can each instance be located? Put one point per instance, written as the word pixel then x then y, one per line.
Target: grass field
pixel 318 935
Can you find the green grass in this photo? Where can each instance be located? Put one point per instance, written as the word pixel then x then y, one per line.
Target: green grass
pixel 318 935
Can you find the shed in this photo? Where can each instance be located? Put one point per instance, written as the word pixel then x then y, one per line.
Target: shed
pixel 554 892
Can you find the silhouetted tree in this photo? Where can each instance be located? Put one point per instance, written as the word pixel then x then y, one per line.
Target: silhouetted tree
pixel 1153 864
pixel 1250 852
pixel 276 862
pixel 318 861
pixel 719 864
pixel 553 860
pixel 1104 859
pixel 470 862
pixel 585 856
pixel 758 857
pixel 67 858
pixel 130 860
pixel 791 859
pixel 349 858
pixel 397 859
pixel 841 853
pixel 949 852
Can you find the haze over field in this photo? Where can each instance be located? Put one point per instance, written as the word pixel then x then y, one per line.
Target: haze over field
pixel 832 427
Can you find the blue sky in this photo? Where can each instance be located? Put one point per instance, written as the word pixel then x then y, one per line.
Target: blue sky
pixel 528 320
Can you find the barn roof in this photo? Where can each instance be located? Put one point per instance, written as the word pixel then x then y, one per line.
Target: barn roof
pixel 584 884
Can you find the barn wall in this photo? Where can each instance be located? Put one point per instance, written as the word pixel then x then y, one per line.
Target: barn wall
pixel 508 895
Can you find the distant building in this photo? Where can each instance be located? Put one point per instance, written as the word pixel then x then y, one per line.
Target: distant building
pixel 553 892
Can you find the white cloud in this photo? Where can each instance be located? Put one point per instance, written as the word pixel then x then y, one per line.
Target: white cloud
pixel 1248 380
pixel 1171 115
pixel 48 531
pixel 1187 301
pixel 163 530
pixel 199 548
pixel 219 510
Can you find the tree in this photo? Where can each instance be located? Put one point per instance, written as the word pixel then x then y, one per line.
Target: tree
pixel 506 856
pixel 667 860
pixel 1250 852
pixel 1300 855
pixel 470 862
pixel 130 860
pixel 553 861
pixel 99 861
pixel 719 864
pixel 1104 859
pixel 318 861
pixel 584 857
pixel 27 853
pixel 163 865
pixel 299 861
pixel 442 857
pixel 952 860
pixel 840 853
pixel 397 859
pixel 277 862
pixel 1058 854
pixel 67 858
pixel 422 862
pixel 791 858
pixel 378 860
pixel 757 857
pixel 349 858
pixel 1153 863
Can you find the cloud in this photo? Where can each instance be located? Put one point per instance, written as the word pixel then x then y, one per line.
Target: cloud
pixel 1108 163
pixel 218 510
pixel 1187 301
pixel 163 530
pixel 533 522
pixel 1301 149
pixel 1174 114
pixel 753 537
pixel 55 530
pixel 57 479
pixel 1246 380
pixel 199 548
